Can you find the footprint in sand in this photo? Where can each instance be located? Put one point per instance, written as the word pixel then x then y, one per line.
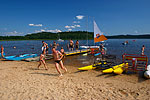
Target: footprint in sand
pixel 123 93
pixel 135 94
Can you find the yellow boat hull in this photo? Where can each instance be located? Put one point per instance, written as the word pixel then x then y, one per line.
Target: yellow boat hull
pixel 87 68
pixel 119 70
pixel 109 70
pixel 115 68
pixel 90 67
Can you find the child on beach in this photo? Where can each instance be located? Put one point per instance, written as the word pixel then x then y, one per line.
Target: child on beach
pixel 63 52
pixel 58 60
pixel 42 61
pixel 2 51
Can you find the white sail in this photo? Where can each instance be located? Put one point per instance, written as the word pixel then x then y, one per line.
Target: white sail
pixel 98 35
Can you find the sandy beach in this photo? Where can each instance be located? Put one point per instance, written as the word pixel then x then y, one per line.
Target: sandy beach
pixel 21 80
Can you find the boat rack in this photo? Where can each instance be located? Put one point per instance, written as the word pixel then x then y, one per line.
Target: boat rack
pixel 135 62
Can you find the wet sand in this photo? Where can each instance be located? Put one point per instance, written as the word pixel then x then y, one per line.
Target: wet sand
pixel 22 81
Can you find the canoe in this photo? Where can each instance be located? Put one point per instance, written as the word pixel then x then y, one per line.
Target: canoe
pixel 114 69
pixel 20 57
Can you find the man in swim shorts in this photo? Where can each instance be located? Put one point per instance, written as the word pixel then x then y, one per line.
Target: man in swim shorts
pixel 71 45
pixel 77 45
pixel 58 60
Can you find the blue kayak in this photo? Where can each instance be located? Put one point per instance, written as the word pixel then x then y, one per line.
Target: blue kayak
pixel 97 54
pixel 21 57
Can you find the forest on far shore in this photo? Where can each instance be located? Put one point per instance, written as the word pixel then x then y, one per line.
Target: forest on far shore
pixel 76 35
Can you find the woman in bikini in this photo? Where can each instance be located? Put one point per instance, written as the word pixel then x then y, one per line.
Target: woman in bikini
pixel 2 51
pixel 42 61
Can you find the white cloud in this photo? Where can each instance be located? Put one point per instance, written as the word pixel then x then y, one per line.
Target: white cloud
pixel 80 17
pixel 76 21
pixel 53 31
pixel 70 29
pixel 77 25
pixel 14 33
pixel 73 26
pixel 67 26
pixel 35 25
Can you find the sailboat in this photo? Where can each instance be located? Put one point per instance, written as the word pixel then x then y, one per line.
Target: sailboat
pixel 59 40
pixel 98 36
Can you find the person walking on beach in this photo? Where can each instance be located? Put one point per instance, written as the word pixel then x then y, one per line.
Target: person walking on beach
pixel 2 51
pixel 42 61
pixel 77 45
pixel 58 60
pixel 143 48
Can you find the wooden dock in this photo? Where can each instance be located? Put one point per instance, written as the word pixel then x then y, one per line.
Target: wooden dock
pixel 50 56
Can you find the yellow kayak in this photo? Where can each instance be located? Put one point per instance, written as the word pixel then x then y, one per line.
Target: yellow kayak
pixel 110 70
pixel 89 67
pixel 120 69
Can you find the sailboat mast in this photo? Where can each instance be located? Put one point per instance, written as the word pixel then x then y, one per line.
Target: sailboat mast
pixel 87 30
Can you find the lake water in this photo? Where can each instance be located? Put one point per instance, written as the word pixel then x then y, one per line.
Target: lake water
pixel 114 47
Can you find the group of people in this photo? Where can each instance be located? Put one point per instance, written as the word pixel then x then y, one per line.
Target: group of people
pixel 57 55
pixel 71 45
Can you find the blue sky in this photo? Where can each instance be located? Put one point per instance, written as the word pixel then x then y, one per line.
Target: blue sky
pixel 114 17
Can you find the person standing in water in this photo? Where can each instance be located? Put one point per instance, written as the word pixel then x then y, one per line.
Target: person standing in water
pixel 58 60
pixel 2 51
pixel 77 45
pixel 143 48
pixel 71 45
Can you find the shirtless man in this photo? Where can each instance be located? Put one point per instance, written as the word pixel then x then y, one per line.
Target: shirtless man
pixel 58 60
pixel 42 61
pixel 77 45
pixel 2 51
pixel 71 45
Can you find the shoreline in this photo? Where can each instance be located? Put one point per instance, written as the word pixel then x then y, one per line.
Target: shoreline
pixel 22 81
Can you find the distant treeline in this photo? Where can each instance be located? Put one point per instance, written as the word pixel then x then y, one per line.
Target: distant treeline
pixel 77 35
